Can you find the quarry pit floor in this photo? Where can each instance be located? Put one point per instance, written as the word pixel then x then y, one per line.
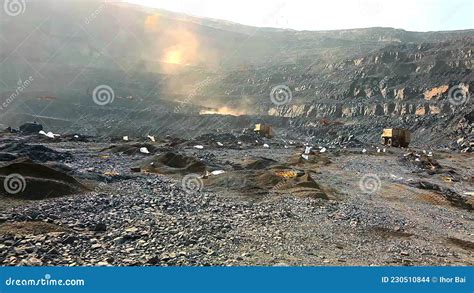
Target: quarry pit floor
pixel 371 207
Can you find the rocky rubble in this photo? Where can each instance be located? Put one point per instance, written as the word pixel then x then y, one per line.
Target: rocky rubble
pixel 451 195
pixel 162 225
pixel 39 153
pixel 132 149
pixel 465 134
pixel 268 206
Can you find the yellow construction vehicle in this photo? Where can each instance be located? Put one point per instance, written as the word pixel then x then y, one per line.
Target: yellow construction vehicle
pixel 264 130
pixel 397 137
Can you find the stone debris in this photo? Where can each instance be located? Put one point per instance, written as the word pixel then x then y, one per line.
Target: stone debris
pixel 144 150
pixel 49 134
pixel 224 205
pixel 132 149
pixel 35 152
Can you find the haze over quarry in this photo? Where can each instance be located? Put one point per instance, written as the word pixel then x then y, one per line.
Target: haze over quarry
pixel 417 15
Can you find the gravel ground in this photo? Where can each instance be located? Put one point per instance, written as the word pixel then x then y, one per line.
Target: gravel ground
pixel 149 219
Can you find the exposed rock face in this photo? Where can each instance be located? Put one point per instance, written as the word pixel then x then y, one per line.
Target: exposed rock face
pixel 340 110
pixel 346 74
pixel 435 92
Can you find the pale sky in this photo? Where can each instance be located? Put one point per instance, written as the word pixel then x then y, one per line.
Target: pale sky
pixel 413 15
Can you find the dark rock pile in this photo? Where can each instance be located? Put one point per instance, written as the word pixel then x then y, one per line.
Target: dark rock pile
pixel 37 153
pixel 451 195
pixel 26 179
pixel 31 128
pixel 172 163
pixel 229 140
pixel 347 141
pixel 132 149
pixel 422 162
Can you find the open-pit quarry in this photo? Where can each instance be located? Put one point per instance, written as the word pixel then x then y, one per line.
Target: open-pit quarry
pixel 137 147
